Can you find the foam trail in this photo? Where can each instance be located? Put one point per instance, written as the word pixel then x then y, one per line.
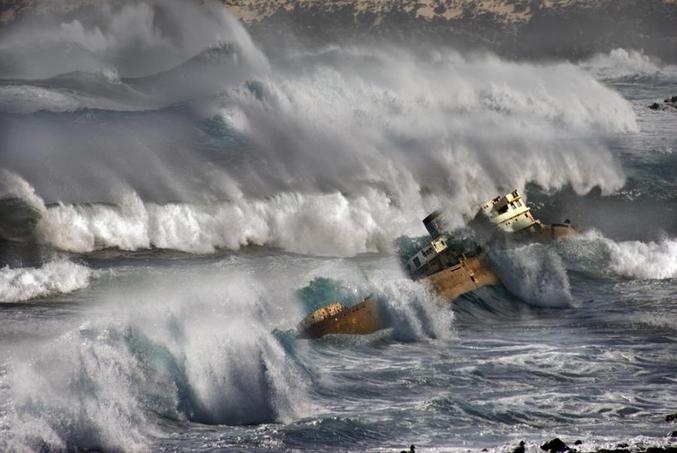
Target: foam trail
pixel 56 277
pixel 202 355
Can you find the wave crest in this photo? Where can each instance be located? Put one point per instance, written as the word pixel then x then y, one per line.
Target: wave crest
pixel 57 277
pixel 644 260
pixel 175 353
pixel 624 63
pixel 534 273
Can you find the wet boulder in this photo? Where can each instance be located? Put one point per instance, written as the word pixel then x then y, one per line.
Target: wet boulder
pixel 519 448
pixel 668 104
pixel 555 446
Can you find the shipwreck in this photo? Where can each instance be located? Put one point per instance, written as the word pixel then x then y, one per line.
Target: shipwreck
pixel 452 266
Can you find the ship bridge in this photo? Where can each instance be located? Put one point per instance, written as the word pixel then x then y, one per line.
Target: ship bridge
pixel 509 212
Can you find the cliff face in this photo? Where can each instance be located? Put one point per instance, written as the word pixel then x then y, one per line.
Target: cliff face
pixel 516 28
pixel 520 28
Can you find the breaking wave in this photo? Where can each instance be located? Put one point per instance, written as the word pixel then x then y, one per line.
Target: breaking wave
pixel 622 63
pixel 535 273
pixel 177 354
pixel 593 252
pixel 57 277
pixel 329 152
pixel 414 310
pixel 323 224
pixel 644 260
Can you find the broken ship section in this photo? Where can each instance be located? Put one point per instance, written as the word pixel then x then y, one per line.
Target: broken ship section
pixel 451 265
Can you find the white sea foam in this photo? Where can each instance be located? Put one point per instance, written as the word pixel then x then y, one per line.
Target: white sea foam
pixel 653 260
pixel 644 260
pixel 346 148
pixel 535 274
pixel 418 141
pixel 168 348
pixel 56 277
pixel 620 63
pixel 414 310
pixel 322 224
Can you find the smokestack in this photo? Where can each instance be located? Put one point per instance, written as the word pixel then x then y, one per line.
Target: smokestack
pixel 435 224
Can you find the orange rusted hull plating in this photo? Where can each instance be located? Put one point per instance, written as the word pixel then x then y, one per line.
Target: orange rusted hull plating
pixel 469 275
pixel 361 319
pixel 367 317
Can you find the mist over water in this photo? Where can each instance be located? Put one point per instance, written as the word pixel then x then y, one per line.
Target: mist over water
pixel 180 199
pixel 228 134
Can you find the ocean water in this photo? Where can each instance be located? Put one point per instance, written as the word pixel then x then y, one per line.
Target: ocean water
pixel 192 207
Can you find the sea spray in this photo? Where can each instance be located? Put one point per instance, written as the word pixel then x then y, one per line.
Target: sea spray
pixel 410 309
pixel 644 260
pixel 52 278
pixel 628 63
pixel 166 349
pixel 534 273
pixel 314 224
pixel 417 142
pixel 594 253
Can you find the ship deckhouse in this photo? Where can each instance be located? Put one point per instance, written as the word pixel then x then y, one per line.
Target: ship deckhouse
pixel 427 253
pixel 509 212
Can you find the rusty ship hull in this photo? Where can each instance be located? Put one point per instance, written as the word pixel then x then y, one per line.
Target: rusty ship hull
pixel 449 273
pixel 361 319
pixel 368 316
pixel 470 274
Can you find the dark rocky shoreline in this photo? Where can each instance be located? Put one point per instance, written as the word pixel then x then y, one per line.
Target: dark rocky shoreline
pixel 668 104
pixel 557 445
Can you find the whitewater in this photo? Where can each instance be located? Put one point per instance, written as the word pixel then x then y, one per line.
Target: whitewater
pixel 174 200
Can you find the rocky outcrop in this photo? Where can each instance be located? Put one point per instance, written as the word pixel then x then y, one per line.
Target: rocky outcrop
pixel 669 104
pixel 515 28
pixel 555 446
pixel 520 28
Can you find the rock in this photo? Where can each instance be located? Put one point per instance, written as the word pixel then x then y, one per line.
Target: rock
pixel 671 418
pixel 668 105
pixel 519 448
pixel 622 445
pixel 667 449
pixel 615 450
pixel 673 434
pixel 555 446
